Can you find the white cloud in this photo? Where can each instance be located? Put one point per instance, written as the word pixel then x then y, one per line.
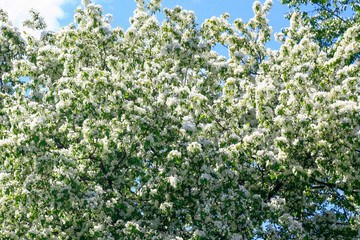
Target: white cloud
pixel 18 11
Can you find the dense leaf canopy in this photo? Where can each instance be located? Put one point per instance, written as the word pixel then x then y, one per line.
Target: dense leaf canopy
pixel 149 134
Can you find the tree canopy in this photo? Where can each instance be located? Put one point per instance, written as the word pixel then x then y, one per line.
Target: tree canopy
pixel 147 133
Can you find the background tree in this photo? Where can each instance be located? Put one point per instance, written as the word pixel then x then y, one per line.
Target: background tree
pixel 149 134
pixel 329 19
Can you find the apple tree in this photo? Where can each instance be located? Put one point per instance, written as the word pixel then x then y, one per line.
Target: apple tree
pixel 147 133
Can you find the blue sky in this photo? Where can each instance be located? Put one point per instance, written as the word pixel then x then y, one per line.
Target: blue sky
pixel 60 13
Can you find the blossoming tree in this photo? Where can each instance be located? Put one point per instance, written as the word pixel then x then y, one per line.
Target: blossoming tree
pixel 149 134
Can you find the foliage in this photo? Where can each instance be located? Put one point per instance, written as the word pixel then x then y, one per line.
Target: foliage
pixel 329 19
pixel 149 134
